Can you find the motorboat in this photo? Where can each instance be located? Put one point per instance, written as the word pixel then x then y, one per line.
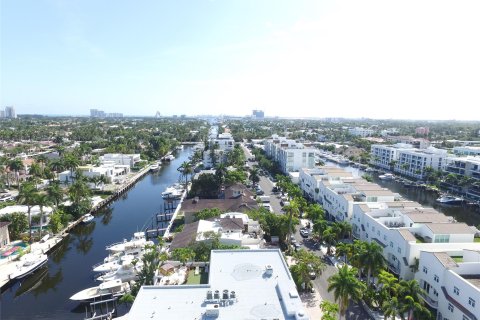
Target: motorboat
pixel 386 176
pixel 126 272
pixel 180 147
pixel 138 241
pixel 172 193
pixel 169 157
pixel 113 288
pixel 87 218
pixel 113 262
pixel 154 167
pixel 447 199
pixel 29 263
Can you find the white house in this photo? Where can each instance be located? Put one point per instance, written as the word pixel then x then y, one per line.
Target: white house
pixel 34 212
pixel 361 132
pixel 412 163
pixel 404 228
pixel 121 159
pixel 385 156
pixel 451 281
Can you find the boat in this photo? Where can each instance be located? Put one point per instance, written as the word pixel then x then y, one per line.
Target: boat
pixel 168 157
pixel 87 218
pixel 180 147
pixel 126 273
pixel 29 263
pixel 138 241
pixel 32 282
pixel 386 176
pixel 113 288
pixel 447 199
pixel 172 193
pixel 154 167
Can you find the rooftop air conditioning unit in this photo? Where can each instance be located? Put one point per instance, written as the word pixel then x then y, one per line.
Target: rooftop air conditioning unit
pixel 268 270
pixel 213 310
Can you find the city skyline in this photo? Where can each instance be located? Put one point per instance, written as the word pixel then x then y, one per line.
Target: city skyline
pixel 409 60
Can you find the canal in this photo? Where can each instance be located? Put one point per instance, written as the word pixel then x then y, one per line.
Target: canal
pixel 45 294
pixel 463 213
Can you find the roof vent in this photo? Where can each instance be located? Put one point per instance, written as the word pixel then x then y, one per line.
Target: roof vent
pixel 213 310
pixel 209 295
pixel 225 294
pixel 216 295
pixel 268 270
pixel 232 295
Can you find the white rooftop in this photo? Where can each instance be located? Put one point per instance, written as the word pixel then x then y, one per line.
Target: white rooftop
pixel 258 294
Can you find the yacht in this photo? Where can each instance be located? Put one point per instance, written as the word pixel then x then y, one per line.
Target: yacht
pixel 154 167
pixel 29 263
pixel 447 199
pixel 386 176
pixel 87 218
pixel 172 193
pixel 169 157
pixel 113 288
pixel 180 147
pixel 138 241
pixel 126 273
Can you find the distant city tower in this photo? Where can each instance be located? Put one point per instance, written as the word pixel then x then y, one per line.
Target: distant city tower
pixel 258 114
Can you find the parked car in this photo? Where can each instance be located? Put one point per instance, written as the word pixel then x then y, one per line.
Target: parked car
pixel 311 273
pixel 304 233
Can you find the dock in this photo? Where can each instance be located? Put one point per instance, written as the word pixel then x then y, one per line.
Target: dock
pixel 9 265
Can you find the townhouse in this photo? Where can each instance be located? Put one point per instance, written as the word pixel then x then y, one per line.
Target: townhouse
pixel 290 155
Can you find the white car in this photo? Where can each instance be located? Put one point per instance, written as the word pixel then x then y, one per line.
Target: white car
pixel 267 206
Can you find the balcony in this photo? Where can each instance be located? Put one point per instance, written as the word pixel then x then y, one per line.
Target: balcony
pixel 432 303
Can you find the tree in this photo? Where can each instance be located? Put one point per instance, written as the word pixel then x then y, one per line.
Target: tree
pixel 411 300
pixel 79 194
pixel 18 223
pixel 292 210
pixel 208 213
pixel 71 162
pixel 56 223
pixel 183 254
pixel 16 165
pixel 220 173
pixel 206 186
pixel 306 264
pixel 186 170
pixel 345 286
pixel 315 212
pixel 42 200
pixel 329 310
pixel 390 308
pixel 372 258
pixel 28 197
pixel 344 229
pixel 55 193
pixel 254 177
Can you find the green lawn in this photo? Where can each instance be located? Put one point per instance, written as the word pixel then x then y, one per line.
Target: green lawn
pixel 457 258
pixel 476 239
pixel 201 278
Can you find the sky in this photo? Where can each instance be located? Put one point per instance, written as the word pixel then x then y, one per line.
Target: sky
pixel 375 59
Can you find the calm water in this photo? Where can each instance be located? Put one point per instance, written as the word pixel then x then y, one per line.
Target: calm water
pixel 45 295
pixel 466 214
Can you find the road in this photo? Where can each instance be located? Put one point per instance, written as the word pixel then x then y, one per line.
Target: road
pixel 354 311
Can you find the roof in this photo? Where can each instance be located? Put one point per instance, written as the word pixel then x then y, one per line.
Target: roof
pixel 167 267
pixel 419 217
pixel 406 234
pixel 4 224
pixel 450 228
pixel 231 223
pixel 238 204
pixel 187 235
pixel 445 259
pixel 378 193
pixel 258 294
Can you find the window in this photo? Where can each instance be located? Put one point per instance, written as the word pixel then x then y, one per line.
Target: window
pixel 385 237
pixel 399 250
pixel 450 307
pixel 425 270
pixel 471 302
pixel 456 291
pixel 465 317
pixel 435 292
pixel 435 278
pixel 391 244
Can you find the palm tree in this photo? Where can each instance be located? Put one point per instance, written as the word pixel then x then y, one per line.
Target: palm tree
pixel 344 250
pixel 71 162
pixel 390 308
pixel 35 170
pixel 344 229
pixel 389 285
pixel 329 310
pixel 306 264
pixel 56 165
pixel 254 177
pixel 345 286
pixel 28 196
pixel 220 172
pixel 292 210
pixel 330 237
pixel 55 193
pixel 411 298
pixel 185 171
pixel 372 258
pixel 43 200
pixel 16 165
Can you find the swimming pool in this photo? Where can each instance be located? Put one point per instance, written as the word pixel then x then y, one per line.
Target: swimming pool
pixel 12 249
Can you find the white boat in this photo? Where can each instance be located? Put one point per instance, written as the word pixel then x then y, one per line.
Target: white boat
pixel 386 176
pixel 168 157
pixel 113 288
pixel 172 193
pixel 138 241
pixel 155 167
pixel 125 273
pixel 87 218
pixel 28 264
pixel 180 147
pixel 446 199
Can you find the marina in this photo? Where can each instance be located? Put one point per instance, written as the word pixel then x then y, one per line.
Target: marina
pixel 69 267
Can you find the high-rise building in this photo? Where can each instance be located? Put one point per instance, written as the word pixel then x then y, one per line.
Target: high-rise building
pixel 258 114
pixel 9 112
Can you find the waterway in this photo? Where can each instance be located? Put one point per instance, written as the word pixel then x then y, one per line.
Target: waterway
pixel 463 213
pixel 45 295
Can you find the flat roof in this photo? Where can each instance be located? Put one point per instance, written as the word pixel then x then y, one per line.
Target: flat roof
pixel 426 217
pixel 445 259
pixel 258 295
pixel 378 193
pixel 407 235
pixel 450 228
